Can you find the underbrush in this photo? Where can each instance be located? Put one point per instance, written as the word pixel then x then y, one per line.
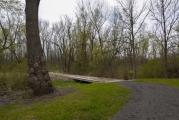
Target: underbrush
pixel 14 67
pixel 13 87
pixel 155 69
pixel 13 81
pixel 13 77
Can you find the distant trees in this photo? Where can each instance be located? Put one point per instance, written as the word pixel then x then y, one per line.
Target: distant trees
pixel 11 29
pixel 38 77
pixel 103 42
pixel 63 44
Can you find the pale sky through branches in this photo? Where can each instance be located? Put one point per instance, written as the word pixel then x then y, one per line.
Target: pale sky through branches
pixel 52 10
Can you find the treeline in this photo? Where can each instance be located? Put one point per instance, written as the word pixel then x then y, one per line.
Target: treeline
pixel 126 41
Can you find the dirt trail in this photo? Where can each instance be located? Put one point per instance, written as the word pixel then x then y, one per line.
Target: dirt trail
pixel 150 102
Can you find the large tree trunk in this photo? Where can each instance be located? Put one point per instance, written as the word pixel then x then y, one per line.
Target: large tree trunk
pixel 38 78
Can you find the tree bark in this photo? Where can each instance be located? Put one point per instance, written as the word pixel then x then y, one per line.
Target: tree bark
pixel 38 77
pixel 134 68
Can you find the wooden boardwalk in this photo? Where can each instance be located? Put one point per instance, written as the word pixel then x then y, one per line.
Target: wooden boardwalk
pixel 85 79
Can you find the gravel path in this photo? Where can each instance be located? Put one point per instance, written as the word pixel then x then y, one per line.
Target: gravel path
pixel 150 102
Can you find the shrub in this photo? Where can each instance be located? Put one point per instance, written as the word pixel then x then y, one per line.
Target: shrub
pixel 14 67
pixel 173 68
pixel 152 69
pixel 3 87
pixel 13 81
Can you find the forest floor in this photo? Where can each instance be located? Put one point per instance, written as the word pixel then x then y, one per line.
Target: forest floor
pixel 151 100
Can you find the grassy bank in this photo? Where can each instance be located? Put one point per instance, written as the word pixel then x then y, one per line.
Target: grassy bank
pixel 87 102
pixel 168 82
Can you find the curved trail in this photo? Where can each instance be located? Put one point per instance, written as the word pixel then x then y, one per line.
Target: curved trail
pixel 150 102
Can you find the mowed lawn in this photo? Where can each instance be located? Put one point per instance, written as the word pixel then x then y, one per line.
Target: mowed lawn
pixel 168 82
pixel 87 102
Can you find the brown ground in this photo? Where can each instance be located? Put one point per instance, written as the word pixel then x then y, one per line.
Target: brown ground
pixel 23 97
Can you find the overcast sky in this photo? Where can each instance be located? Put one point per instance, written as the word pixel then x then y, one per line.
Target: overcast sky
pixel 52 10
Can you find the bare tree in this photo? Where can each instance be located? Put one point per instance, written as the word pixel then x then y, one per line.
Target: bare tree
pixel 12 19
pixel 166 14
pixel 97 13
pixel 63 42
pixel 133 19
pixel 117 31
pixel 82 32
pixel 38 79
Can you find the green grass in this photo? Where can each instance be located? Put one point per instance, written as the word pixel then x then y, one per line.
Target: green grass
pixel 168 82
pixel 88 102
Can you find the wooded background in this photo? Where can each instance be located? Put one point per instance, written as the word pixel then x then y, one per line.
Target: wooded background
pixel 99 41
